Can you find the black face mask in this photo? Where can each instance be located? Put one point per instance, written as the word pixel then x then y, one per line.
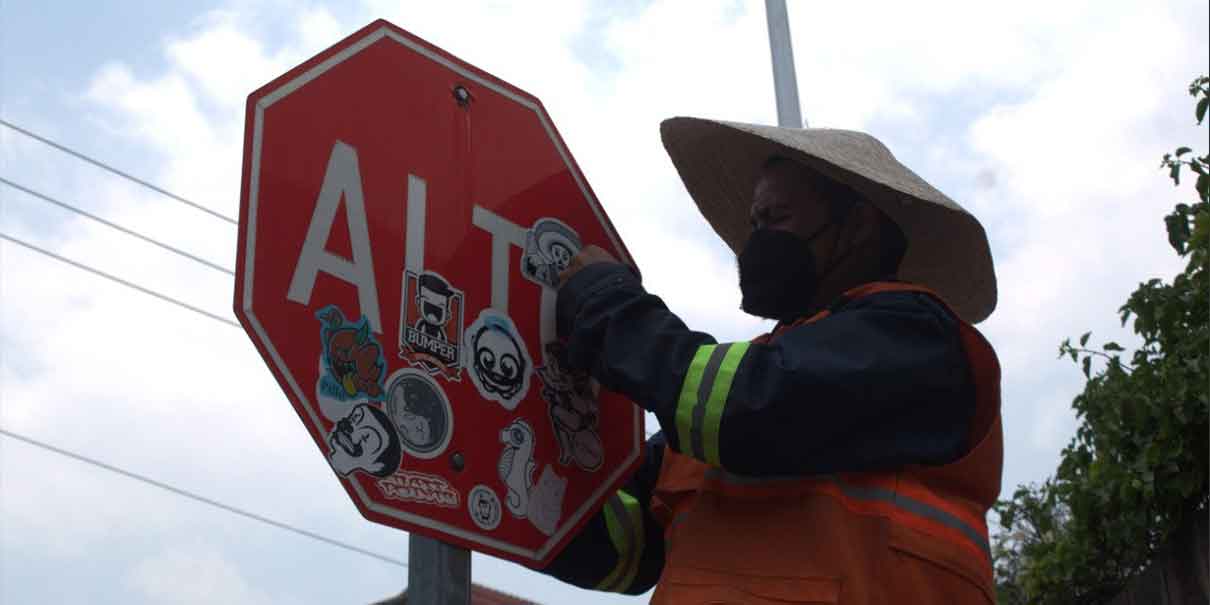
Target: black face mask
pixel 778 275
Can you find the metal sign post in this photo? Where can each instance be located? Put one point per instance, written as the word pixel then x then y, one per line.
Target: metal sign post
pixel 438 573
pixel 789 115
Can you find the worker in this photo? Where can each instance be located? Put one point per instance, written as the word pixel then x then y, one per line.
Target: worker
pixel 848 456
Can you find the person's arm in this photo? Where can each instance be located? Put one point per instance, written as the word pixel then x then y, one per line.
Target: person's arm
pixel 879 384
pixel 621 549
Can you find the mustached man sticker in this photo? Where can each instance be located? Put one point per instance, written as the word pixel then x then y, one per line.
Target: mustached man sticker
pixel 497 360
pixel 549 247
pixel 420 411
pixel 365 441
pixel 430 334
pixel 574 412
pixel 352 358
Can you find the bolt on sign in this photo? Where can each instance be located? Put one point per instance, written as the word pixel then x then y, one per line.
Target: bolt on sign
pixel 403 220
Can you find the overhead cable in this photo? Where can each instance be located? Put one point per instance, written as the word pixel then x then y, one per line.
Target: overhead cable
pixel 192 496
pixel 112 225
pixel 78 265
pixel 104 166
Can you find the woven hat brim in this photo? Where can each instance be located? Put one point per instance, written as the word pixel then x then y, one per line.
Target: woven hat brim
pixel 948 251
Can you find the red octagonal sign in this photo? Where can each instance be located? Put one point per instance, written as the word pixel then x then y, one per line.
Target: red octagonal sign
pixel 403 220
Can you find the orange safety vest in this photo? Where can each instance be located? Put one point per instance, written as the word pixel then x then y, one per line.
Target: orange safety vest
pixel 916 535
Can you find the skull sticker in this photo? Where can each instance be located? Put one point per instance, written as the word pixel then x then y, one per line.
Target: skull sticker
pixel 549 247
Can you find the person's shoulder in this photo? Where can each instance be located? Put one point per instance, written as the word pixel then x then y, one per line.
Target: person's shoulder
pixel 901 301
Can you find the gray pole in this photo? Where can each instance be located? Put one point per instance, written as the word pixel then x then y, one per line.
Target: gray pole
pixel 438 573
pixel 789 115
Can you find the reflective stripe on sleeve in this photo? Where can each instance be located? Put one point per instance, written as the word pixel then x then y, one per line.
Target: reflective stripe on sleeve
pixel 699 410
pixel 624 520
pixel 686 403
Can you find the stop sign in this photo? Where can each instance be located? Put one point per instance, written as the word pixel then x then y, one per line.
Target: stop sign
pixel 403 219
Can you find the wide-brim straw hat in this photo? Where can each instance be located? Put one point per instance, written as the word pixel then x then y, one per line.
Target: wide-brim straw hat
pixel 947 247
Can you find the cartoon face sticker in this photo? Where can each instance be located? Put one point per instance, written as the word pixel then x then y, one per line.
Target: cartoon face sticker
pixel 484 507
pixel 420 411
pixel 365 441
pixel 430 324
pixel 499 363
pixel 353 357
pixel 549 247
pixel 433 300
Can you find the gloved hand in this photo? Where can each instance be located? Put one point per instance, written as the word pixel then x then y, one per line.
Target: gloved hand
pixel 590 255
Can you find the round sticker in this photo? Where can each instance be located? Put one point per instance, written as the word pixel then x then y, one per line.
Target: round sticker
pixel 484 507
pixel 421 412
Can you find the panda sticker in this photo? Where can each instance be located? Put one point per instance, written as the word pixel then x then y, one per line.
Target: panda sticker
pixel 498 362
pixel 420 412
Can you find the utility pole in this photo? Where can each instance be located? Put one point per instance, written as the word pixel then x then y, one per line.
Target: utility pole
pixel 785 84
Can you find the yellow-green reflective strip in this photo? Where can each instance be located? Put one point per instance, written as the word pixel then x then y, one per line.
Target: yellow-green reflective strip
pixel 635 512
pixel 617 535
pixel 718 400
pixel 688 398
pixel 624 520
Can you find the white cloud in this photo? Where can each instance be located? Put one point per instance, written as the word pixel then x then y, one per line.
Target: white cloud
pixel 193 574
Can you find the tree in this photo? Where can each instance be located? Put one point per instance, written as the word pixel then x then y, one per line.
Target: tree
pixel 1137 467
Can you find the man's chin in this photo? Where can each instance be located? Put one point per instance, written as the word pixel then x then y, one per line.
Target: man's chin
pixel 761 311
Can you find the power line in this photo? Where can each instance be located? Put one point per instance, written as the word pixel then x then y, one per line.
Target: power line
pixel 187 494
pixel 112 225
pixel 104 166
pixel 163 297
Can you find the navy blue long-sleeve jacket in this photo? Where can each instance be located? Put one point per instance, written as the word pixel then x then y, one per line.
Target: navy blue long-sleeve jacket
pixel 880 383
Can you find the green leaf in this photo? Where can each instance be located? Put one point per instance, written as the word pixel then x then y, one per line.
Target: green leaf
pixel 1112 346
pixel 1201 109
pixel 1180 151
pixel 1203 186
pixel 1084 338
pixel 1174 173
pixel 1178 231
pixel 1087 365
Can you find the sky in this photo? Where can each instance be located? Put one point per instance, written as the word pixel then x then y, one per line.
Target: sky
pixel 1045 120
